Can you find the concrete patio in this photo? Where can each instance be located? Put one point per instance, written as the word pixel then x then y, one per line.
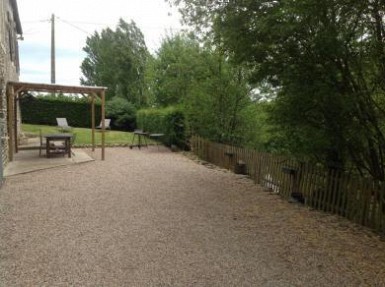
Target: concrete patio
pixel 29 160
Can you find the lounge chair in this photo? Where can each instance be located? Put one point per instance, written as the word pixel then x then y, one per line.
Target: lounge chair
pixel 107 123
pixel 63 125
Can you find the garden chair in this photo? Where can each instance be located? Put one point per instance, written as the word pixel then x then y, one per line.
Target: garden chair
pixel 107 123
pixel 63 125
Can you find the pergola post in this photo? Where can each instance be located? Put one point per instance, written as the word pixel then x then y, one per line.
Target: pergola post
pixel 103 96
pixel 93 120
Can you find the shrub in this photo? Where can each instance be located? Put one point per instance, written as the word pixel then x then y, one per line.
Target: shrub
pixel 122 113
pixel 170 121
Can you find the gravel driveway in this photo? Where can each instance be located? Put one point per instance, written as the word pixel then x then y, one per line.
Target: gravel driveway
pixel 156 218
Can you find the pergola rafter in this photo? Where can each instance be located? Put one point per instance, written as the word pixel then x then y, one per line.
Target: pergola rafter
pixel 14 90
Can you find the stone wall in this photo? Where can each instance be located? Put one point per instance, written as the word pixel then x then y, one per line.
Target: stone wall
pixel 9 66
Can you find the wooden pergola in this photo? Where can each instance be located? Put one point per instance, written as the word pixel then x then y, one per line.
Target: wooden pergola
pixel 15 90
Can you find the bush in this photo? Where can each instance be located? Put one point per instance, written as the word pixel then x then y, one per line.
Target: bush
pixel 169 121
pixel 122 113
pixel 45 110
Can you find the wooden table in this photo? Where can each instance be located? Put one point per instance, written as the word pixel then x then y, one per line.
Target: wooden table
pixel 54 149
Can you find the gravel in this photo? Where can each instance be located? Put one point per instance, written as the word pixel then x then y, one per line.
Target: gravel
pixel 154 218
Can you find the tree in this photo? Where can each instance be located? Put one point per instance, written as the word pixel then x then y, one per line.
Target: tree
pixel 202 81
pixel 326 61
pixel 178 66
pixel 217 106
pixel 150 81
pixel 117 60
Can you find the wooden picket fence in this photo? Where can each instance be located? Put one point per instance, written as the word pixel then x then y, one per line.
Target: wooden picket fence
pixel 359 199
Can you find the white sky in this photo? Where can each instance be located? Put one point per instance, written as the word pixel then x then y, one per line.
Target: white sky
pixel 76 18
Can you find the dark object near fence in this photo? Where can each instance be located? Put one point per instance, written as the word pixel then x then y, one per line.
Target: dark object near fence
pixel 174 148
pixel 296 196
pixel 289 170
pixel 240 167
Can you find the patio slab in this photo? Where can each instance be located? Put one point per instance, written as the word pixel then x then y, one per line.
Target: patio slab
pixel 29 160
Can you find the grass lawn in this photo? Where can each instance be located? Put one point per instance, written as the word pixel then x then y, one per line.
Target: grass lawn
pixel 83 136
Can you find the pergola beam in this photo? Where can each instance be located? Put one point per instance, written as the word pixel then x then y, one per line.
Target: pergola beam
pixel 50 88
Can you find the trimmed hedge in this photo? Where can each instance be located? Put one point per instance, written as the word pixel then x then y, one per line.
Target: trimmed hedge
pixel 44 111
pixel 169 121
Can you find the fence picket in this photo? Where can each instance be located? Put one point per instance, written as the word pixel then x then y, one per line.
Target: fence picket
pixel 332 191
pixel 374 206
pixel 380 227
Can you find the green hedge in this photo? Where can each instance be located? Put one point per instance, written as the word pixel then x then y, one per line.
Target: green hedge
pixel 44 111
pixel 169 121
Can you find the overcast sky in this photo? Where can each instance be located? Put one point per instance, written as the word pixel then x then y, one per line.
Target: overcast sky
pixel 77 19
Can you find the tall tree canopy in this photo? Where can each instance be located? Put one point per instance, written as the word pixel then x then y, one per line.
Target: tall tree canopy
pixel 178 66
pixel 117 60
pixel 202 81
pixel 326 62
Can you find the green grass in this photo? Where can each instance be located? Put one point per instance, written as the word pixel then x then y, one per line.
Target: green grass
pixel 83 136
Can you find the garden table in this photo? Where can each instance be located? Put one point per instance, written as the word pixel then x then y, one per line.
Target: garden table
pixel 142 139
pixel 53 149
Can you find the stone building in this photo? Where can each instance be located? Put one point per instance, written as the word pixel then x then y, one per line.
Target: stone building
pixel 10 33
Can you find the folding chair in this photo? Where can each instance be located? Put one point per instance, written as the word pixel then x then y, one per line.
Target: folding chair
pixel 63 125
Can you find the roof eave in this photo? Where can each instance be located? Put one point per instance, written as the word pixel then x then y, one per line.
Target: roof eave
pixel 16 17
